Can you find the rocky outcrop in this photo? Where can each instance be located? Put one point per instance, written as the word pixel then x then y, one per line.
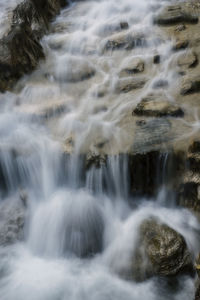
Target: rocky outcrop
pixel 161 251
pixel 20 50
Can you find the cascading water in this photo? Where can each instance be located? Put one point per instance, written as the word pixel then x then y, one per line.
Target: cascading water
pixel 80 229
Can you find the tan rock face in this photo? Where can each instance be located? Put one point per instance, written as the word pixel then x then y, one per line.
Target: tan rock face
pixel 132 66
pixel 187 59
pixel 176 15
pixel 125 40
pixel 190 85
pixel 157 106
pixel 128 84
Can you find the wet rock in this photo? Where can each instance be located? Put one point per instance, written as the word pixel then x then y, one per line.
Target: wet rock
pixel 156 59
pixel 197 267
pixel 190 85
pixel 189 189
pixel 20 50
pixel 180 44
pixel 95 159
pixel 132 66
pixel 163 249
pixel 175 15
pixel 157 106
pixel 151 135
pixel 187 59
pixel 128 84
pixel 143 173
pixel 161 83
pixel 197 294
pixel 180 28
pixel 12 219
pixel 125 41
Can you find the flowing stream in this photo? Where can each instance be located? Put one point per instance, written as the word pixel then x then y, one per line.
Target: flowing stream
pixel 70 104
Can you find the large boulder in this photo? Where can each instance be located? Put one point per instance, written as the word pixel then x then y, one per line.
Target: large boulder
pixel 161 251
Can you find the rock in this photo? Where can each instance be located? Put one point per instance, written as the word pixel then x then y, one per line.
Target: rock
pixel 95 159
pixel 143 169
pixel 20 50
pixel 156 106
pixel 175 15
pixel 180 27
pixel 197 267
pixel 74 70
pixel 189 189
pixel 161 83
pixel 187 59
pixel 125 40
pixel 126 85
pixel 132 66
pixel 151 135
pixel 12 219
pixel 180 45
pixel 164 249
pixel 190 85
pixel 156 59
pixel 197 294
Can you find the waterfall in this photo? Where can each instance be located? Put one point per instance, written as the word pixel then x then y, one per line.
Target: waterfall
pixel 70 209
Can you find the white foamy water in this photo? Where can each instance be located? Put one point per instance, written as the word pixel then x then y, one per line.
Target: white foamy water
pixel 67 215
